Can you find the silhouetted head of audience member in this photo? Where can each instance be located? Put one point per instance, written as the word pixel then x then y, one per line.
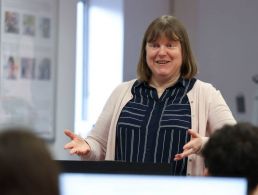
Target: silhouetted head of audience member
pixel 232 151
pixel 26 165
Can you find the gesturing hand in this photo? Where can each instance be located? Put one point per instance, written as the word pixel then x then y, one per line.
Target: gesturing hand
pixel 192 147
pixel 77 145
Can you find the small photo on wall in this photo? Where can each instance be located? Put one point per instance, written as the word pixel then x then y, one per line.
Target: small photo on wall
pixel 11 67
pixel 44 27
pixel 11 22
pixel 29 25
pixel 44 69
pixel 27 68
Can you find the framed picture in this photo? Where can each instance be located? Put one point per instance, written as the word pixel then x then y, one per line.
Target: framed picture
pixel 28 64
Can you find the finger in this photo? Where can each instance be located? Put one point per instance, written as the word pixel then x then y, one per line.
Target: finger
pixel 178 157
pixel 77 152
pixel 73 151
pixel 189 144
pixel 193 133
pixel 183 154
pixel 70 134
pixel 68 146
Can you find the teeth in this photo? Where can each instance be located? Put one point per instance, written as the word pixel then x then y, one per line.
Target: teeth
pixel 162 62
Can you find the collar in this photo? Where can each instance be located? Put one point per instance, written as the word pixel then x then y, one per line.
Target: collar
pixel 181 82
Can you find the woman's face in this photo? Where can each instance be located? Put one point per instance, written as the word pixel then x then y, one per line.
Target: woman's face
pixel 164 58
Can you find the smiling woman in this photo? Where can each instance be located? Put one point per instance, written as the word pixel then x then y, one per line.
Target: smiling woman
pixel 164 58
pixel 165 115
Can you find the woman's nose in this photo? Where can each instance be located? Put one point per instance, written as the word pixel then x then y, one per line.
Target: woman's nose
pixel 162 50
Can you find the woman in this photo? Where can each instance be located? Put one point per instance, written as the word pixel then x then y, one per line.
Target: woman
pixel 165 115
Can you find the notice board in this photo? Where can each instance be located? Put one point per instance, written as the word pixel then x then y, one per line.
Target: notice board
pixel 28 64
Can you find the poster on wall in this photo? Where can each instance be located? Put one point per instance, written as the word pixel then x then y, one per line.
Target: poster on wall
pixel 28 64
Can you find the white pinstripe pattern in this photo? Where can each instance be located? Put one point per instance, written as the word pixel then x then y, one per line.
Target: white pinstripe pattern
pixel 152 129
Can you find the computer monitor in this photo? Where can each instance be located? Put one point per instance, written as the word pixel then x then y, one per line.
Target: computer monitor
pixel 135 184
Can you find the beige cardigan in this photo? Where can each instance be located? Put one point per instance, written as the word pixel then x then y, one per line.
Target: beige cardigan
pixel 208 109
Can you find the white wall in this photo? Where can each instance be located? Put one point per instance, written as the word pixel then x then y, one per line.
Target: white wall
pixel 137 16
pixel 65 89
pixel 224 37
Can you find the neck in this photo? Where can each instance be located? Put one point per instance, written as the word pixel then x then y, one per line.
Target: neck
pixel 161 85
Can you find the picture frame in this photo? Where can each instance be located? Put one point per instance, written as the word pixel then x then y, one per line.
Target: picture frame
pixel 28 65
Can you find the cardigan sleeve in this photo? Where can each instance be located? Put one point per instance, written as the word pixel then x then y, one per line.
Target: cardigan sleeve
pixel 210 112
pixel 219 113
pixel 98 136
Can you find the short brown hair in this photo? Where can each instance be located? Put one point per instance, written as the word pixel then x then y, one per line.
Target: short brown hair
pixel 26 164
pixel 173 29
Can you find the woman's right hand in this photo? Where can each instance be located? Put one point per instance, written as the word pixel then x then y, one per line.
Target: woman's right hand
pixel 77 145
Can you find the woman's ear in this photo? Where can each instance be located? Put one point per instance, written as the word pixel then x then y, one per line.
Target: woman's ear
pixel 206 172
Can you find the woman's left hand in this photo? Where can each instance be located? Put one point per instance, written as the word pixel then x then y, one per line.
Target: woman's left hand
pixel 192 147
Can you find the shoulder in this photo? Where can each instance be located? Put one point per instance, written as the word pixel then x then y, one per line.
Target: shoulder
pixel 124 87
pixel 122 91
pixel 127 83
pixel 201 85
pixel 203 89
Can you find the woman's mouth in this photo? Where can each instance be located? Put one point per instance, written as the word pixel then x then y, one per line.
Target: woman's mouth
pixel 162 61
